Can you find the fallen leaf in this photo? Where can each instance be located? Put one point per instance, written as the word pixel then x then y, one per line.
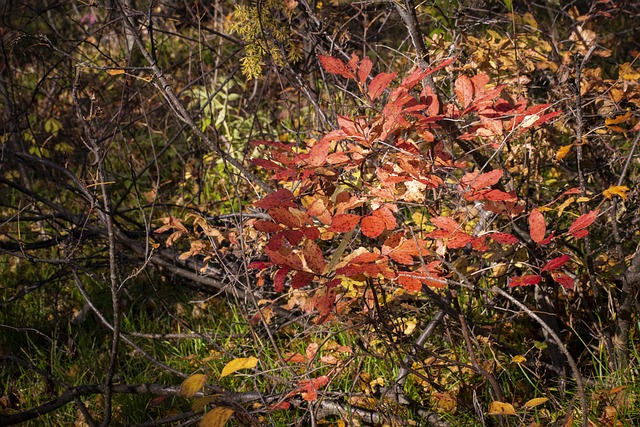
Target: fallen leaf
pixel 192 385
pixel 237 364
pixel 535 402
pixel 217 417
pixel 501 408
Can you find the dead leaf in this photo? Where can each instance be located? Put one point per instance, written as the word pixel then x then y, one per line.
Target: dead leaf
pixel 501 408
pixel 237 364
pixel 217 417
pixel 192 385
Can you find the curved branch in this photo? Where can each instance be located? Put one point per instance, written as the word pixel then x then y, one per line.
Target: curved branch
pixel 577 377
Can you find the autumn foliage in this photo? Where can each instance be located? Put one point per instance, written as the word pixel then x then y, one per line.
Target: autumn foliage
pixel 370 184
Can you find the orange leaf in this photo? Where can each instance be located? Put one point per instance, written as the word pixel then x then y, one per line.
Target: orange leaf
pixel 343 223
pixel 537 226
pixel 335 66
pixel 563 151
pixel 372 226
pixel 464 90
pixel 478 181
pixel 364 70
pixel 379 84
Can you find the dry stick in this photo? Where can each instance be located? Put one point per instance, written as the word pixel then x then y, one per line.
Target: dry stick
pixel 404 370
pixel 472 355
pixel 572 363
pixel 107 218
pixel 180 111
pixel 106 323
pixel 628 296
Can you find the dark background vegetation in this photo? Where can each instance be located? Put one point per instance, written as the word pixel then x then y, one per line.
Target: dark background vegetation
pixel 121 117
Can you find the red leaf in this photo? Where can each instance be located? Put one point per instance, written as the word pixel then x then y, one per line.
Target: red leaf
pixel 260 265
pixel 296 358
pixel 284 257
pixel 324 300
pixel 284 406
pixel 459 240
pixel 440 66
pixel 279 278
pixel 293 236
pixel 478 181
pixel 504 238
pixel 545 118
pixel 537 226
pixel 556 263
pixel 479 81
pixel 445 223
pixel 314 256
pixel 498 196
pixel 372 226
pixel 353 62
pixel 266 226
pixel 365 257
pixel 410 283
pixel 335 66
pixel 364 70
pixel 301 278
pixel 282 197
pixel 464 90
pixel 311 233
pixel 547 240
pixel 319 152
pixel 564 280
pixel 282 215
pixel 528 280
pixel 267 164
pixel 408 82
pixel 343 223
pixel 579 225
pixel 387 216
pixel 308 388
pixel 430 99
pixel 379 84
pixel 571 191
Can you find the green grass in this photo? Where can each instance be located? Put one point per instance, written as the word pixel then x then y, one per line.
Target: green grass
pixel 77 353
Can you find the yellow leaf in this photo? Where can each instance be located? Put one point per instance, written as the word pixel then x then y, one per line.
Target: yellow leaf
pixel 564 205
pixel 501 408
pixel 410 325
pixel 240 363
pixel 192 385
pixel 618 119
pixel 518 359
pixel 627 72
pixel 616 190
pixel 582 199
pixel 200 403
pixel 115 71
pixel 563 151
pixel 535 402
pixel 217 417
